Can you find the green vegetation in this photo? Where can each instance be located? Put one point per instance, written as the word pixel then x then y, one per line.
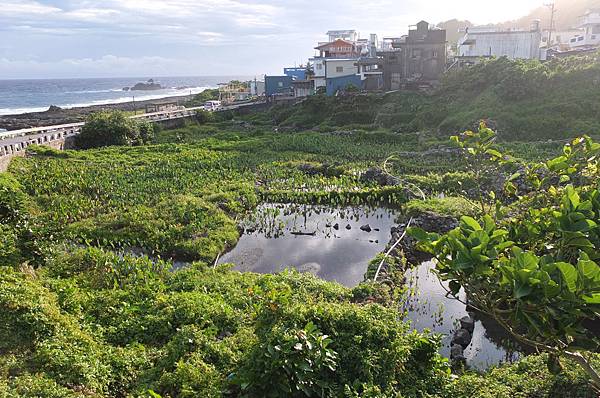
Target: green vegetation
pixel 201 98
pixel 113 128
pixel 92 303
pixel 523 100
pixel 532 266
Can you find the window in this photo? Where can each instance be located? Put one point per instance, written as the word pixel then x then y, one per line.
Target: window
pixel 573 40
pixel 339 69
pixel 580 38
pixel 416 52
pixel 319 66
pixel 280 84
pixel 434 54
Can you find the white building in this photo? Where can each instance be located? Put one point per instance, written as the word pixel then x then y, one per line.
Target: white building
pixel 562 39
pixel 327 68
pixel 490 42
pixel 590 24
pixel 348 35
pixel 257 88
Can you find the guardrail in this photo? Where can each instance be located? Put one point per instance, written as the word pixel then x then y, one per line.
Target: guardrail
pixel 16 141
pixel 151 117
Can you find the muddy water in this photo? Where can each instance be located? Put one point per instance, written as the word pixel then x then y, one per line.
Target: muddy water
pixel 305 237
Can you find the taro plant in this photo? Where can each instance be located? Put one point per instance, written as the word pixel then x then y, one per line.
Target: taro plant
pixel 532 264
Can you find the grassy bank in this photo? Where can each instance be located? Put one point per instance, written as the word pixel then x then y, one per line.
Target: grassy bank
pixel 523 100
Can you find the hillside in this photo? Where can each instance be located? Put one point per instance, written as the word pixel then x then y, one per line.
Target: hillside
pixel 524 100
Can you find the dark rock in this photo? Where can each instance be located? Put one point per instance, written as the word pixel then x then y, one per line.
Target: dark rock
pixel 126 88
pixel 147 86
pixel 336 226
pixel 380 176
pixel 54 108
pixel 457 352
pixel 366 228
pixel 462 337
pixel 348 227
pixel 467 323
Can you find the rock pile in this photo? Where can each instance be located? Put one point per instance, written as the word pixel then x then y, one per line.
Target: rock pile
pixel 461 339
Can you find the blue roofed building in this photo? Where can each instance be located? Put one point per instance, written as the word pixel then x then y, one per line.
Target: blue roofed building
pixel 278 85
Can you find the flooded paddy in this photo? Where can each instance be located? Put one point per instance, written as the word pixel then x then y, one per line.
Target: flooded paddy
pixel 336 244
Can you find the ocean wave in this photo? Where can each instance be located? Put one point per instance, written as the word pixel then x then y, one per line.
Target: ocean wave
pixel 107 101
pixel 112 90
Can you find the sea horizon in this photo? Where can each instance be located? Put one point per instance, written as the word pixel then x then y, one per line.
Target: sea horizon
pixel 19 96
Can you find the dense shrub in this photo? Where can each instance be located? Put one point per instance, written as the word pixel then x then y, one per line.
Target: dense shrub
pixel 113 128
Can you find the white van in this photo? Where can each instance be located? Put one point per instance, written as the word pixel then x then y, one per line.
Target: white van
pixel 212 106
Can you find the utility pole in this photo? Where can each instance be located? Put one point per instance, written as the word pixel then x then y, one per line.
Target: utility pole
pixel 552 12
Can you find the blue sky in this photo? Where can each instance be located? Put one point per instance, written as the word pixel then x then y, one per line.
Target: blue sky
pixel 89 38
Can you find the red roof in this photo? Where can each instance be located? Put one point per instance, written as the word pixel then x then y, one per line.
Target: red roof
pixel 336 43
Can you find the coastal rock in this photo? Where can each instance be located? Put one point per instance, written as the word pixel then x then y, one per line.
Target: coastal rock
pixel 126 88
pixel 348 227
pixel 336 226
pixel 462 337
pixel 54 108
pixel 147 86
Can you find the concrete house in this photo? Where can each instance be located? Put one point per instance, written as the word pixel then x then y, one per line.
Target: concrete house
pixel 491 42
pixel 590 24
pixel 278 86
pixel 418 57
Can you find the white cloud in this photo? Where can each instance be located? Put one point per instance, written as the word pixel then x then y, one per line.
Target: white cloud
pixel 238 36
pixel 27 8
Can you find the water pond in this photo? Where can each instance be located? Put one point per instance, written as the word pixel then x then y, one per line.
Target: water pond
pixel 330 243
pixel 326 241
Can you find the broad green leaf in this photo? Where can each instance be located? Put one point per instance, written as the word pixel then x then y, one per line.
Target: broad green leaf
pixel 521 290
pixel 569 274
pixel 589 270
pixel 470 223
pixel 594 299
pixel 418 233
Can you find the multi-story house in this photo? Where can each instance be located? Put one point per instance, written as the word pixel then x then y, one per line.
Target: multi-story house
pixel 419 57
pixel 590 24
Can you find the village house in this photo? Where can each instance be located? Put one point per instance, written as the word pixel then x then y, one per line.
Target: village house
pixel 480 43
pixel 419 57
pixel 257 88
pixel 563 40
pixel 590 24
pixel 344 61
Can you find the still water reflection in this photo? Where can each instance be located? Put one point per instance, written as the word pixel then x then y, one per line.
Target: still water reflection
pixel 330 243
pixel 325 241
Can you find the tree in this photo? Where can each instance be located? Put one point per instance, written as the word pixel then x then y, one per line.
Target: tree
pixel 531 262
pixel 113 128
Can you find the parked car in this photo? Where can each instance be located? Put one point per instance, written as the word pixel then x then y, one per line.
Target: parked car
pixel 212 106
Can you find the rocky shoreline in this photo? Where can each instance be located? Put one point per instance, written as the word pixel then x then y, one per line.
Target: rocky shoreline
pixel 56 115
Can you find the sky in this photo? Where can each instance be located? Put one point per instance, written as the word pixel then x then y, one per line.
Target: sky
pixel 131 38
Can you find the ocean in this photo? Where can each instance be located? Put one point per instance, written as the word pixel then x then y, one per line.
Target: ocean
pixel 36 95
